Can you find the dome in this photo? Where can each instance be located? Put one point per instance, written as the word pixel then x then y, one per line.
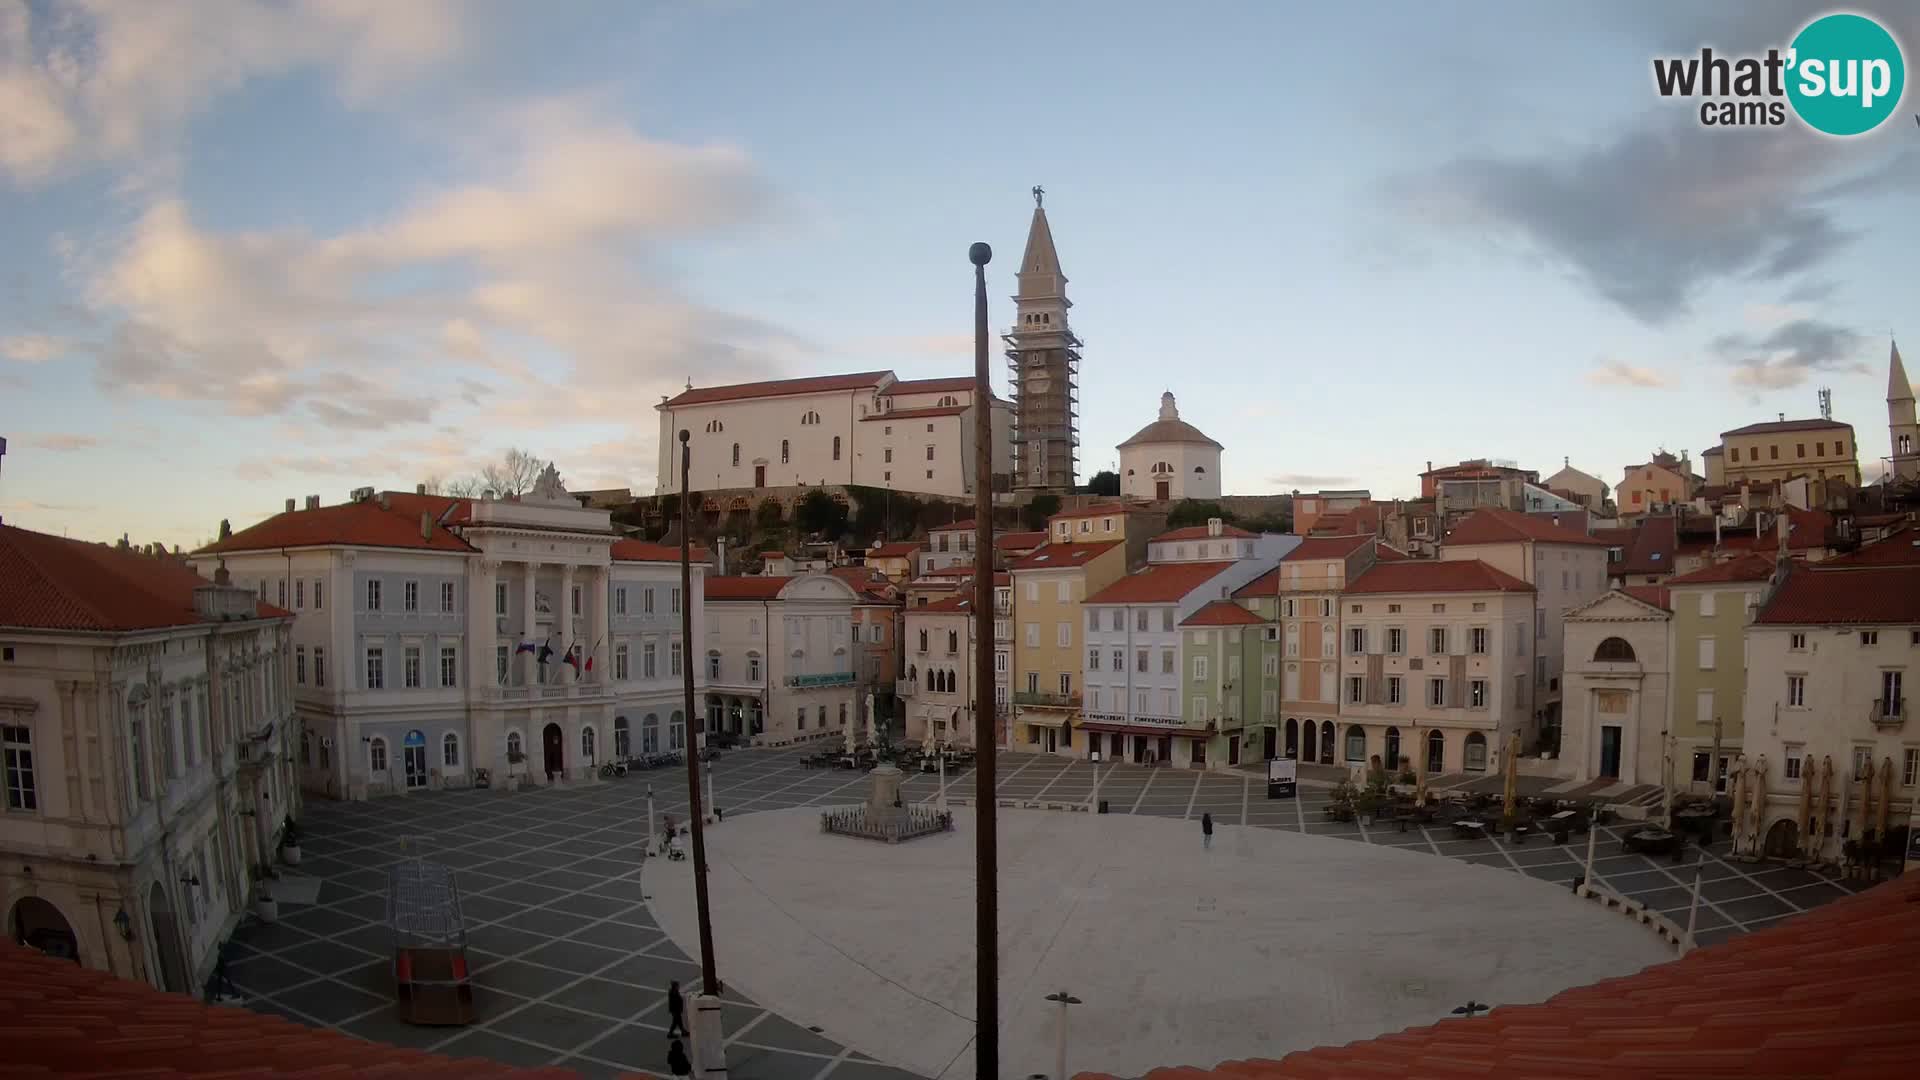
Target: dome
pixel 1169 428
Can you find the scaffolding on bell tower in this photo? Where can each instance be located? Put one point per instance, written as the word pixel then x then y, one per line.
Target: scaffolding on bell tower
pixel 1043 368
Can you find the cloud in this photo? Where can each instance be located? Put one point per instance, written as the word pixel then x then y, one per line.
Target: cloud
pixel 62 443
pixel 1621 373
pixel 85 81
pixel 952 346
pixel 1782 357
pixel 1650 218
pixel 1309 480
pixel 30 348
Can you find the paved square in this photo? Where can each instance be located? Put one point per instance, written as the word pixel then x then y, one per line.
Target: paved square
pixel 554 897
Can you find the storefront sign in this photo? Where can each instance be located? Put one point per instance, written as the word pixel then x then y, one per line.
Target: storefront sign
pixel 1282 778
pixel 835 678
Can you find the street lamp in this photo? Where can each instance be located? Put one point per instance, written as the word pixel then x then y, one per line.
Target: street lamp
pixel 123 924
pixel 1062 999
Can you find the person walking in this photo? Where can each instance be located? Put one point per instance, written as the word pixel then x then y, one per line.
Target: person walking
pixel 677 1062
pixel 1206 831
pixel 676 1010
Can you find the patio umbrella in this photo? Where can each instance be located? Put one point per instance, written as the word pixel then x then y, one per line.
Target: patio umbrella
pixel 1759 797
pixel 1513 773
pixel 1419 769
pixel 1806 807
pixel 1824 821
pixel 872 738
pixel 1886 793
pixel 1866 798
pixel 1738 805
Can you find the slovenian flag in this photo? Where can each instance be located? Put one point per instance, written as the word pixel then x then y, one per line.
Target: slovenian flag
pixel 525 646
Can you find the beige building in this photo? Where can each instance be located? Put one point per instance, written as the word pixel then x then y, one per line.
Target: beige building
pixel 1617 687
pixel 779 663
pixel 1049 587
pixel 146 720
pixel 1587 490
pixel 1434 665
pixel 1662 483
pixel 1711 609
pixel 1822 450
pixel 939 685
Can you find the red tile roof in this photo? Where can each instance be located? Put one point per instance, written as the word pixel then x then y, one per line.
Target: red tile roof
pixel 1221 613
pixel 1326 547
pixel 917 414
pixel 1389 553
pixel 1747 567
pixel 1493 525
pixel 952 570
pixel 1159 583
pixel 360 524
pixel 1901 548
pixel 1019 541
pixel 1657 595
pixel 1201 532
pixel 66 1020
pixel 1063 556
pixel 1865 595
pixel 932 386
pixel 1806 529
pixel 1771 426
pixel 646 551
pixel 758 587
pixel 872 585
pixel 821 384
pixel 1267 584
pixel 899 549
pixel 1651 552
pixel 959 603
pixel 968 525
pixel 1095 510
pixel 1823 994
pixel 1435 575
pixel 1621 538
pixel 51 583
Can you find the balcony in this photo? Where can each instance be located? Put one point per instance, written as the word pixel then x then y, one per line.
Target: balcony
pixel 1046 700
pixel 905 688
pixel 1889 715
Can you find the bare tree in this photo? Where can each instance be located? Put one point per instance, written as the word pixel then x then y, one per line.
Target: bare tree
pixel 464 487
pixel 514 475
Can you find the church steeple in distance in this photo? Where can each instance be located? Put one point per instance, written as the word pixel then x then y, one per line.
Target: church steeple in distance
pixel 1043 362
pixel 1903 434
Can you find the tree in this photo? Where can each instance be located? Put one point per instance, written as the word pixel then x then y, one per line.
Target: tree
pixel 818 513
pixel 1104 482
pixel 513 474
pixel 1194 512
pixel 1043 506
pixel 769 516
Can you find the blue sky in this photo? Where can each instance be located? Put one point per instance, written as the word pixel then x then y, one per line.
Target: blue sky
pixel 261 250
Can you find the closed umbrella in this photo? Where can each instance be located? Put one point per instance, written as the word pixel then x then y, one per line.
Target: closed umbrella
pixel 1759 786
pixel 1806 807
pixel 1886 793
pixel 1419 768
pixel 1824 820
pixel 1513 772
pixel 1866 799
pixel 1737 806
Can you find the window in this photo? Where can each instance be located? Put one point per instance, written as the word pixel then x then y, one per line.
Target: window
pixel 1286 608
pixel 1733 453
pixel 1063 634
pixel 502 658
pixel 1539 624
pixel 1062 592
pixel 649 660
pixel 1706 605
pixel 1393 690
pixel 499 598
pixel 1477 693
pixel 283 592
pixel 373 595
pixel 1910 766
pixel 673 659
pixel 785 452
pixel 1773 452
pixel 449 666
pixel 1140 618
pixel 17 741
pixel 923 639
pixel 1396 641
pixel 1066 683
pixel 1797 642
pixel 1436 752
pixel 674 601
pixel 574 600
pixel 1356 743
pixel 450 750
pixel 1356 690
pixel 620 662
pixel 1869 637
pixel 1033 682
pixel 736 455
pixel 620 600
pixel 1437 693
pixel 411 667
pixel 1794 761
pixel 1199 668
pixel 300 665
pixel 1093 620
pixel 410 596
pixel 1703 708
pixel 446 596
pixel 376 669
pixel 377 755
pixel 1614 650
pixel 1800 450
pixel 713 665
pixel 1796 691
pixel 1093 659
pixel 1166 661
pixel 1356 640
pixel 1706 654
pixel 1891 701
pixel 753 667
pixel 1840 446
pixel 586 743
pixel 513 744
pixel 1437 640
pixel 1166 620
pixel 319 665
pixel 953 642
pixel 299 593
pixel 1476 755
pixel 1862 761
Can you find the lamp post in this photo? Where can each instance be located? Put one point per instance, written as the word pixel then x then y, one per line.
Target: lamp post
pixel 709 1040
pixel 986 1013
pixel 1094 756
pixel 651 833
pixel 1064 1000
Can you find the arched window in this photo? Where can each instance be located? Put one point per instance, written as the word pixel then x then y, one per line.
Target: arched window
pixel 786 452
pixel 450 750
pixel 1476 757
pixel 913 673
pixel 1198 469
pixel 513 745
pixel 1326 742
pixel 923 639
pixel 736 454
pixel 715 426
pixel 676 731
pixel 1436 752
pixel 1614 648
pixel 1293 738
pixel 622 737
pixel 1393 748
pixel 586 742
pixel 377 755
pixel 713 663
pixel 1356 743
pixel 836 448
pixel 931 684
pixel 953 641
pixel 650 734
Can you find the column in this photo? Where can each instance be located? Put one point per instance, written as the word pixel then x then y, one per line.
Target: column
pixel 529 669
pixel 569 635
pixel 599 603
pixel 483 630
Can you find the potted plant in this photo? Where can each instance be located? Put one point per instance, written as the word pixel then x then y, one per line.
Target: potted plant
pixel 514 758
pixel 290 842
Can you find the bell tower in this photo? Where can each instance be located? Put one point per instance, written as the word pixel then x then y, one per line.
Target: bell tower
pixel 1903 435
pixel 1043 366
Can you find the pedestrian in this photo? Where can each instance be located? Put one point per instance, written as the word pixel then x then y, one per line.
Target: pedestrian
pixel 1206 831
pixel 676 1010
pixel 677 1062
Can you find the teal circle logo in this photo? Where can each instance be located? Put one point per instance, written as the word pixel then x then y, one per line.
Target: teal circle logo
pixel 1845 74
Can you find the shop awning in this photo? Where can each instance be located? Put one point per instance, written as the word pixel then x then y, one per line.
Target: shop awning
pixel 1047 720
pixel 1137 729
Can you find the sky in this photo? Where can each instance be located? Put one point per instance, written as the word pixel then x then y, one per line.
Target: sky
pixel 257 250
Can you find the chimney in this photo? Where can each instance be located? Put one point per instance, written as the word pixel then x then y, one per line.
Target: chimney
pixel 1783 418
pixel 426 525
pixel 1780 528
pixel 720 556
pixel 313 502
pixel 487 495
pixel 220 575
pixel 289 506
pixel 384 505
pixel 1213 526
pixel 419 489
pixel 1717 516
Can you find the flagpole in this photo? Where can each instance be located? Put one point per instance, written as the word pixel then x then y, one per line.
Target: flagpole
pixel 710 979
pixel 986 1046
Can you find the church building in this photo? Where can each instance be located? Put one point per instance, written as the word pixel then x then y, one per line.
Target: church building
pixel 1170 459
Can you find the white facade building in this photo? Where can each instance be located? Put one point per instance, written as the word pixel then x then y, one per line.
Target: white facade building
pixel 779 662
pixel 939 681
pixel 1169 459
pixel 1618 686
pixel 869 428
pixel 420 626
pixel 144 715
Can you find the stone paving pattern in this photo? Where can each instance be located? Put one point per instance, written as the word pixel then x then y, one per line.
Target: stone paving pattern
pixel 571 969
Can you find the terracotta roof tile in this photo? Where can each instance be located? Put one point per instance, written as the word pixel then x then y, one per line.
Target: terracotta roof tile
pixel 1326 547
pixel 361 524
pixel 1019 541
pixel 1651 551
pixel 1200 532
pixel 917 414
pixel 1816 424
pixel 1221 613
pixel 1267 584
pixel 1747 567
pixel 967 525
pixel 932 386
pixel 1900 548
pixel 1388 553
pixel 1096 510
pixel 758 587
pixel 1435 575
pixel 821 384
pixel 52 583
pixel 1866 596
pixel 1159 583
pixel 899 549
pixel 1493 525
pixel 1657 595
pixel 1063 556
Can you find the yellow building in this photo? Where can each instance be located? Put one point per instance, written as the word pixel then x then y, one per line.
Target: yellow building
pixel 1048 588
pixel 1662 481
pixel 1821 450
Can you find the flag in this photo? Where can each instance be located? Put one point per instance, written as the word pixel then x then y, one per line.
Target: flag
pixel 591 653
pixel 546 653
pixel 525 646
pixel 573 658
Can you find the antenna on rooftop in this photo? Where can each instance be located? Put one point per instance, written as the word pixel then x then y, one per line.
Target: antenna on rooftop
pixel 1826 404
